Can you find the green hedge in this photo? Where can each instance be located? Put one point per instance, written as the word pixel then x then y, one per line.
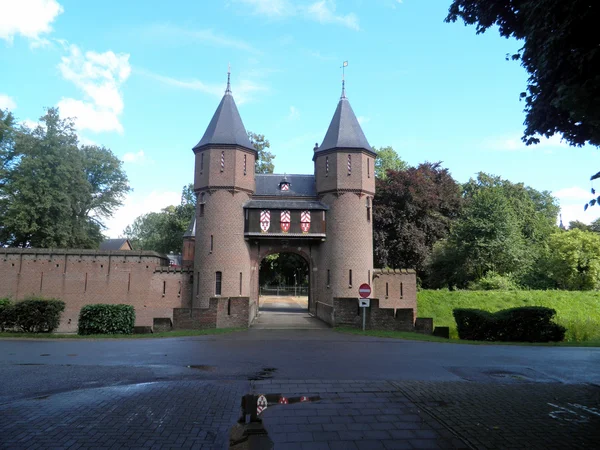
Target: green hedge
pixel 7 314
pixel 36 314
pixel 524 324
pixel 106 319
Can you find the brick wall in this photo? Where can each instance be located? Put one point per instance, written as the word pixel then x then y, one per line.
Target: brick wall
pixel 324 312
pixel 395 288
pixel 83 277
pixel 222 312
pixel 347 313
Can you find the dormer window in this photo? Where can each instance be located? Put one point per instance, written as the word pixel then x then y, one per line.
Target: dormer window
pixel 284 185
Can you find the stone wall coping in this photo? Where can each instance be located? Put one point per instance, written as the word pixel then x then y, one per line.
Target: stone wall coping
pixel 82 252
pixel 390 271
pixel 169 269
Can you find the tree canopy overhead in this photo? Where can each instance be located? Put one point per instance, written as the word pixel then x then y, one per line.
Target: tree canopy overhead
pixel 561 53
pixel 264 162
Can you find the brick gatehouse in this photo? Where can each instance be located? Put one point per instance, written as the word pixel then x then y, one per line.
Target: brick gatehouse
pixel 241 217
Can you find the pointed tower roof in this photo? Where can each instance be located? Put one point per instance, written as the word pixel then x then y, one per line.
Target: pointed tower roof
pixel 191 230
pixel 226 126
pixel 344 130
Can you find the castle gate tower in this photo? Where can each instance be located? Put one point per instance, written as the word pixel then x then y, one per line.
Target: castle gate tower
pixel 345 181
pixel 223 181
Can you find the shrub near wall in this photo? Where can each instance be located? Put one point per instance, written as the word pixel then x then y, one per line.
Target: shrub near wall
pixel 37 314
pixel 106 319
pixel 7 313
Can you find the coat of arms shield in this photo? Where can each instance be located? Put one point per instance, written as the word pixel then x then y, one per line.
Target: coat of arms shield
pixel 265 220
pixel 285 221
pixel 305 221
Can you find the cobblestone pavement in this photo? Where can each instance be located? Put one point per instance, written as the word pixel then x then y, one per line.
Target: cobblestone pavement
pixel 333 415
pixel 514 414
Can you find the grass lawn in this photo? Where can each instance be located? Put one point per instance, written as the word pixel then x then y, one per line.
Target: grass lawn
pixel 178 333
pixel 424 337
pixel 578 311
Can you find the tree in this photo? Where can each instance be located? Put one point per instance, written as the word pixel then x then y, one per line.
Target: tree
pixel 578 225
pixel 7 131
pixel 55 194
pixel 387 159
pixel 563 90
pixel 573 261
pixel 163 231
pixel 264 162
pixel 413 209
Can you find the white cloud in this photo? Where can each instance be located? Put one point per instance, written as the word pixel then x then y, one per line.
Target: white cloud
pixel 573 193
pixel 243 90
pixel 7 102
pixel 33 124
pixel 515 144
pixel 137 204
pixel 100 77
pixel 294 113
pixel 324 12
pixel 29 18
pixel 134 157
pixel 572 201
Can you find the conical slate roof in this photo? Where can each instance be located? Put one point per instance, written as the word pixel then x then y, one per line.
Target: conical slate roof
pixel 344 130
pixel 191 230
pixel 226 126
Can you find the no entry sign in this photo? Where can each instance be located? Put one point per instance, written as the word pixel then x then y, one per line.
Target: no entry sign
pixel 364 290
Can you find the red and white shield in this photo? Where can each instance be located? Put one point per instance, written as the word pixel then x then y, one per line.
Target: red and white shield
pixel 305 221
pixel 265 220
pixel 261 404
pixel 285 221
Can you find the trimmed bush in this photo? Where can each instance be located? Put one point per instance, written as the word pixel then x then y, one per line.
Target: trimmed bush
pixel 37 314
pixel 7 314
pixel 106 319
pixel 525 324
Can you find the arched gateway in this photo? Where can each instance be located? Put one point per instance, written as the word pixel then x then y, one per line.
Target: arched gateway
pixel 242 216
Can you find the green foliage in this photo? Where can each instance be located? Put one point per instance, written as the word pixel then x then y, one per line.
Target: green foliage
pixel 387 159
pixel 412 210
pixel 564 84
pixel 278 269
pixel 573 260
pixel 264 162
pixel 7 314
pixel 37 314
pixel 578 225
pixel 52 193
pixel 163 231
pixel 578 311
pixel 504 228
pixel 493 281
pixel 523 324
pixel 106 319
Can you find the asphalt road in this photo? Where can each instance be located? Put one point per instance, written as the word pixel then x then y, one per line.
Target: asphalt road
pixel 30 368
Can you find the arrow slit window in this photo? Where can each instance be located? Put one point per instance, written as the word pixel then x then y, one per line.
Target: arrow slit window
pixel 350 278
pixel 349 164
pixel 368 201
pixel 244 164
pixel 218 280
pixel 368 167
pixel 327 166
pixel 201 162
pixel 222 161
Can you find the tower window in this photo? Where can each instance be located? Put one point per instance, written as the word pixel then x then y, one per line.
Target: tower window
pixel 328 277
pixel 349 164
pixel 368 209
pixel 218 279
pixel 327 166
pixel 350 278
pixel 222 161
pixel 201 162
pixel 245 164
pixel 387 289
pixel 202 202
pixel 211 243
pixel 368 167
pixel 240 284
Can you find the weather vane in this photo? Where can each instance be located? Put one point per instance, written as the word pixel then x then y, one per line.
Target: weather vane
pixel 344 65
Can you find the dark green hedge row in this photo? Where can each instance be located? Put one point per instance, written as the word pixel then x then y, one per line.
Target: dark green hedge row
pixel 524 324
pixel 106 319
pixel 32 315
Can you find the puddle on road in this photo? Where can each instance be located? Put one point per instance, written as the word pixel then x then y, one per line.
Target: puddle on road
pixel 264 374
pixel 249 431
pixel 202 367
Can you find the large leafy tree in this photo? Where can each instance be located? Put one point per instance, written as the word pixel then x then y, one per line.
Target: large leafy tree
pixel 264 162
pixel 412 209
pixel 387 159
pixel 7 132
pixel 561 54
pixel 55 194
pixel 163 231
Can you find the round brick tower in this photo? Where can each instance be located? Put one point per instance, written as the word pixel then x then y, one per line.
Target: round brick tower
pixel 223 182
pixel 345 181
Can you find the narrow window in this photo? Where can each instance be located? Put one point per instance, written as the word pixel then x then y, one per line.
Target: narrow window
pixel 240 284
pixel 328 277
pixel 368 209
pixel 202 202
pixel 179 291
pixel 229 306
pixel 211 243
pixel 218 278
pixel 201 162
pixel 401 291
pixel 350 277
pixel 164 287
pixel 222 161
pixel 327 166
pixel 387 289
pixel 368 167
pixel 244 164
pixel 197 283
pixel 369 276
pixel 349 164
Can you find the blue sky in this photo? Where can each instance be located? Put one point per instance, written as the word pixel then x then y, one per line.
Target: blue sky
pixel 143 78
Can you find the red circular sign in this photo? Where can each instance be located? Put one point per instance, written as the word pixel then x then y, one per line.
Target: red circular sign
pixel 364 290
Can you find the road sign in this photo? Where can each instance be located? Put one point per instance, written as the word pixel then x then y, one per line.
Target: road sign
pixel 261 404
pixel 364 290
pixel 364 302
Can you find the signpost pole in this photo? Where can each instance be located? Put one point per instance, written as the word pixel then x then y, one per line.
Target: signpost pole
pixel 364 317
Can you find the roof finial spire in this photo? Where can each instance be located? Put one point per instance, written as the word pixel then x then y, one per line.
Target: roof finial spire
pixel 344 65
pixel 228 90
